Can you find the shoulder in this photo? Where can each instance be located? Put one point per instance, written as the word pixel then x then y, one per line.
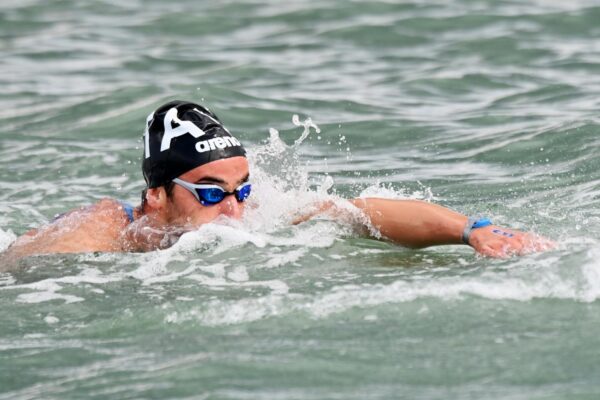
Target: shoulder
pixel 106 208
pixel 106 212
pixel 111 210
pixel 107 205
pixel 97 227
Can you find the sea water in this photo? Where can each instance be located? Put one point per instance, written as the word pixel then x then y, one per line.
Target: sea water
pixel 488 107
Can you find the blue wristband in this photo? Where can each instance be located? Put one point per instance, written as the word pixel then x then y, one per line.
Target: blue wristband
pixel 474 223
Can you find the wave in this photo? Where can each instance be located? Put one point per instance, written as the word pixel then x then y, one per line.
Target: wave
pixel 548 280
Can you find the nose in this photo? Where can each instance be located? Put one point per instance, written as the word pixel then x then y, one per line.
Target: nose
pixel 231 208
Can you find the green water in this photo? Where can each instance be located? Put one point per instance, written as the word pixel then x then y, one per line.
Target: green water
pixel 488 107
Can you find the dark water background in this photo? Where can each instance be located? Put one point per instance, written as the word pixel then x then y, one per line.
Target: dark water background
pixel 487 107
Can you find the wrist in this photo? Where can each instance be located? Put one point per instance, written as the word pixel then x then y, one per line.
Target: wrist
pixel 472 224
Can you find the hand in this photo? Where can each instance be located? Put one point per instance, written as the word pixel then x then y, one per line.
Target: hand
pixel 494 241
pixel 316 209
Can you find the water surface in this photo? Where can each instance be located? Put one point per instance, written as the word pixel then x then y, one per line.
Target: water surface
pixel 487 107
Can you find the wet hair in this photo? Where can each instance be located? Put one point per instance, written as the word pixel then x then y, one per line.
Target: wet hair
pixel 168 189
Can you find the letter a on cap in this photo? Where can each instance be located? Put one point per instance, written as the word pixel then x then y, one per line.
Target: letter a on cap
pixel 184 127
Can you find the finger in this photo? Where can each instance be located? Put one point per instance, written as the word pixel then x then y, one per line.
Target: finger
pixel 545 244
pixel 493 251
pixel 539 243
pixel 302 218
pixel 487 251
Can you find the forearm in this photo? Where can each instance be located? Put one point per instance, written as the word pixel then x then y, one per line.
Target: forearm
pixel 413 223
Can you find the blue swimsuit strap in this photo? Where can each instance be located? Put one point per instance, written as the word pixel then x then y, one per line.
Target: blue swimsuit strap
pixel 128 208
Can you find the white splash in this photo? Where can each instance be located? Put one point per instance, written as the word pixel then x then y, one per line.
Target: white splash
pixel 388 192
pixel 307 124
pixel 6 238
pixel 591 274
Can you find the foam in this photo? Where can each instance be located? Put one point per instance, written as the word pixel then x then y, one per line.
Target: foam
pixel 534 277
pixel 153 276
pixel 226 236
pixel 239 274
pixel 216 238
pixel 40 297
pixel 546 281
pixel 48 289
pixel 591 274
pixel 6 239
pixel 6 279
pixel 278 260
pixel 388 192
pixel 275 285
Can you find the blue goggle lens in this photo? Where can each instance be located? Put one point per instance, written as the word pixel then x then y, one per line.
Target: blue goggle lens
pixel 243 192
pixel 211 196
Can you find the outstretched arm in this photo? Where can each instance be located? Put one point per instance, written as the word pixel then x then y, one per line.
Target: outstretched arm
pixel 418 224
pixel 413 223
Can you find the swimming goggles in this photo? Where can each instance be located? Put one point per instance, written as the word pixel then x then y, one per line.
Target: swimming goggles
pixel 209 195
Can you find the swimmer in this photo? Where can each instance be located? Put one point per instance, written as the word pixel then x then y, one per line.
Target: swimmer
pixel 196 171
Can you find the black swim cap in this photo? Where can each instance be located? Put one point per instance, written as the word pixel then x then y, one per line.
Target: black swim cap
pixel 181 136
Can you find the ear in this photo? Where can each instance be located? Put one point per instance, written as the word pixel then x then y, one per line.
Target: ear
pixel 156 200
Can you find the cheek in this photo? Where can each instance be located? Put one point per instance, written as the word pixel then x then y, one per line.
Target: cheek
pixel 192 212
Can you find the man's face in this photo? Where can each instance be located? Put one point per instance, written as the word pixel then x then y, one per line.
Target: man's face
pixel 228 173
